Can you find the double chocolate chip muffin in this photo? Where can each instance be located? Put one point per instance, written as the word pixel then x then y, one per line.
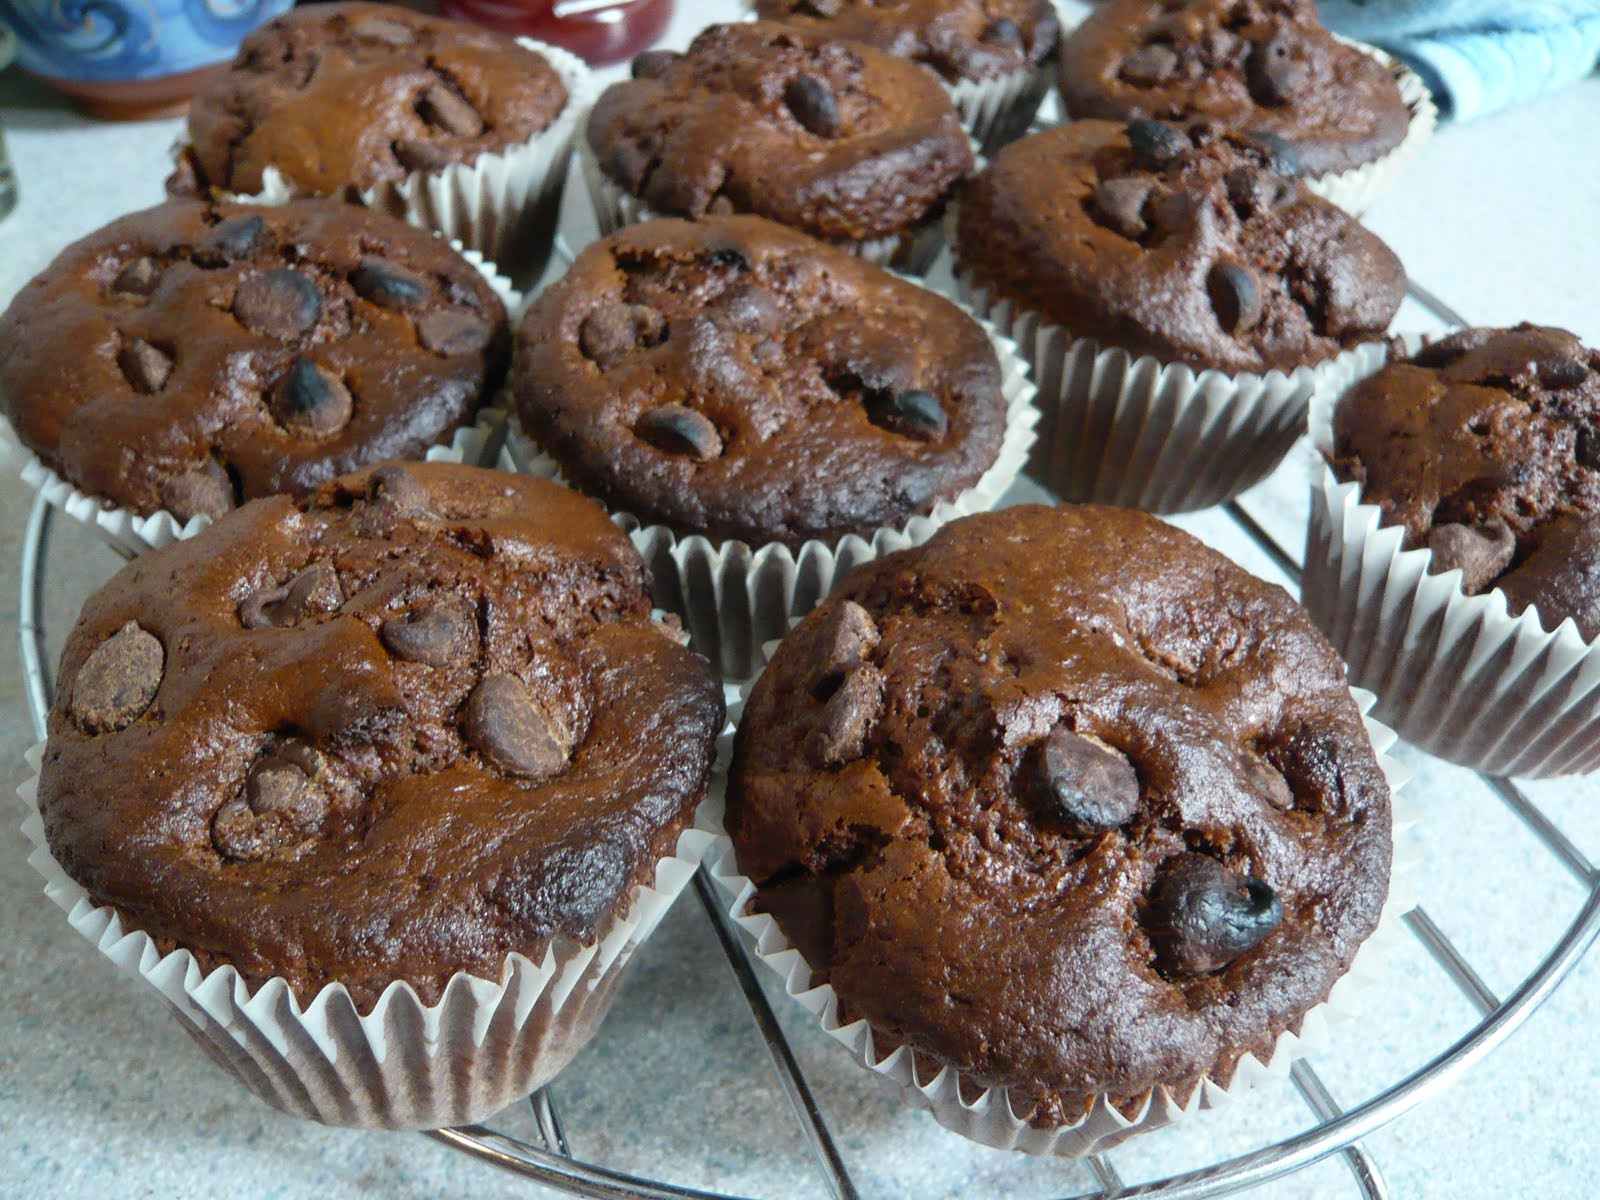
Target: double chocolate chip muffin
pixel 194 355
pixel 736 379
pixel 401 729
pixel 341 97
pixel 1264 66
pixel 1189 245
pixel 1066 801
pixel 834 138
pixel 1485 447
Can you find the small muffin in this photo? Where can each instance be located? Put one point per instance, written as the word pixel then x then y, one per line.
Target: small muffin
pixel 195 355
pixel 736 379
pixel 1264 66
pixel 1485 447
pixel 1186 246
pixel 341 97
pixel 976 46
pixel 1066 801
pixel 834 138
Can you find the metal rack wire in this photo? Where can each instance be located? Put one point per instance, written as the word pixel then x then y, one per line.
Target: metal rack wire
pixel 1338 1130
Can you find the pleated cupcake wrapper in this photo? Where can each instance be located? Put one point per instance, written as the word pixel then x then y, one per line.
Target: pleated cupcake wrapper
pixel 1140 433
pixel 131 534
pixel 913 251
pixel 733 597
pixel 1355 190
pixel 1455 674
pixel 503 203
pixel 406 1065
pixel 985 1114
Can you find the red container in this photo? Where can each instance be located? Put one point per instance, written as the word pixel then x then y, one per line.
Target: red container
pixel 599 31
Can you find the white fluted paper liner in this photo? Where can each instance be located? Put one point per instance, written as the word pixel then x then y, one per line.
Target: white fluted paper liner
pixel 1355 190
pixel 499 202
pixel 1455 674
pixel 913 252
pixel 406 1065
pixel 733 597
pixel 131 534
pixel 985 1114
pixel 1140 433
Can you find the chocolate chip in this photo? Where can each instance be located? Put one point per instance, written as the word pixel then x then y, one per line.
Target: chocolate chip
pixel 311 401
pixel 280 303
pixel 1235 296
pixel 1251 191
pixel 1168 213
pixel 1586 447
pixel 511 729
pixel 1119 203
pixel 387 283
pixel 1087 787
pixel 437 634
pixel 1202 916
pixel 230 240
pixel 420 154
pixel 205 490
pixel 679 429
pixel 442 108
pixel 449 332
pixel 1004 33
pixel 1157 143
pixel 1480 552
pixel 612 331
pixel 394 485
pixel 848 718
pixel 847 635
pixel 749 308
pixel 728 258
pixel 811 101
pixel 1273 74
pixel 284 802
pixel 117 682
pixel 913 413
pixel 311 592
pixel 652 64
pixel 381 29
pixel 1150 65
pixel 138 278
pixel 1283 157
pixel 146 367
pixel 1559 374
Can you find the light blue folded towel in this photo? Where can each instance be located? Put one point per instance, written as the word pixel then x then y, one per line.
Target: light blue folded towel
pixel 1479 56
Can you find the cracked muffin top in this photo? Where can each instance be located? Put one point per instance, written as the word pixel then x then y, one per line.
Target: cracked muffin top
pixel 1485 447
pixel 1192 246
pixel 339 96
pixel 193 356
pixel 400 729
pixel 1254 65
pixel 737 379
pixel 1066 800
pixel 833 137
pixel 960 39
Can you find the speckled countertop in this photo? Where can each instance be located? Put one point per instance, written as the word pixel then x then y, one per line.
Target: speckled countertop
pixel 102 1095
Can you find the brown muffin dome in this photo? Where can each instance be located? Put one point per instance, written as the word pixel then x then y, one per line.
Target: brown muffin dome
pixel 737 379
pixel 992 786
pixel 339 96
pixel 960 39
pixel 1485 447
pixel 398 730
pixel 195 355
pixel 832 137
pixel 1264 66
pixel 1188 246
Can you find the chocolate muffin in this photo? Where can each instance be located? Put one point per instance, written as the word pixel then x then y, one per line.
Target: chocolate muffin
pixel 342 97
pixel 1067 801
pixel 831 137
pixel 1188 246
pixel 1264 66
pixel 1485 447
pixel 959 39
pixel 736 379
pixel 403 728
pixel 195 355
